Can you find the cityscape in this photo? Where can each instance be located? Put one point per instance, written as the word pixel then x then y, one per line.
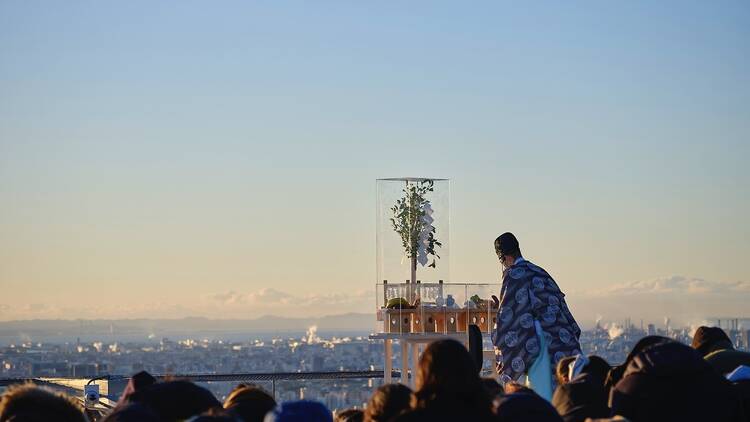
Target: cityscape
pixel 278 354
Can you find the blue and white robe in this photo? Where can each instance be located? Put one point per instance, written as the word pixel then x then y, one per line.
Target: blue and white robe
pixel 529 295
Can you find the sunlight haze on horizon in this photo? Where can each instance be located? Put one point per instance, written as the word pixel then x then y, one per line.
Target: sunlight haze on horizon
pixel 169 160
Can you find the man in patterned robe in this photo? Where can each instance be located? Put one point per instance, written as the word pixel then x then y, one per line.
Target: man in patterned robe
pixel 532 318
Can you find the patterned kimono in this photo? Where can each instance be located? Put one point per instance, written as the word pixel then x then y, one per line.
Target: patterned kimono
pixel 528 294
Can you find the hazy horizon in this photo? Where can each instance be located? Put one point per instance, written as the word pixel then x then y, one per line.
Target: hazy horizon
pixel 162 160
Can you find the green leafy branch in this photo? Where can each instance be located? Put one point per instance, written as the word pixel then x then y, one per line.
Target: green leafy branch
pixel 408 219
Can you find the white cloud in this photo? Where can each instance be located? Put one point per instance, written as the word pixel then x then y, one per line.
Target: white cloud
pixel 269 297
pixel 684 300
pixel 266 296
pixel 675 284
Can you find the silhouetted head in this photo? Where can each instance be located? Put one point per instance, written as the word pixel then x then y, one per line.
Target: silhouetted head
pixel 507 249
pixel 349 415
pixel 249 402
pixel 524 406
pixel 671 381
pixel 138 382
pixel 597 368
pixel 176 400
pixel 132 412
pixel 710 339
pixel 447 377
pixel 616 373
pixel 388 401
pixel 300 411
pixel 29 403
pixel 492 388
pixel 217 415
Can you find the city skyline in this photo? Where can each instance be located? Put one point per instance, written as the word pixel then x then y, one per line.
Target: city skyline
pixel 173 161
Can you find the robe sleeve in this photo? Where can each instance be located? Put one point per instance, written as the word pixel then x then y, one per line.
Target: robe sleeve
pixel 514 327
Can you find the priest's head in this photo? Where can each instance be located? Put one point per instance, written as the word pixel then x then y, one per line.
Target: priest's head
pixel 507 249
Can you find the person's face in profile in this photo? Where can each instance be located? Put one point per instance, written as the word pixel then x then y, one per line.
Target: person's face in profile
pixel 505 261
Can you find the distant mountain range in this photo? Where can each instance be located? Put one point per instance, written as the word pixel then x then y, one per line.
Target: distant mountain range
pixel 351 322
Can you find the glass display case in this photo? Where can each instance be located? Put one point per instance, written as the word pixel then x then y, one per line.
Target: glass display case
pixel 445 308
pixel 413 231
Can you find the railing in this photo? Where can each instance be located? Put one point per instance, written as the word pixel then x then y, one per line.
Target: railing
pixel 77 383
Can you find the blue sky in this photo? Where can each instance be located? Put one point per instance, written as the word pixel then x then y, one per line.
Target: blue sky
pixel 189 150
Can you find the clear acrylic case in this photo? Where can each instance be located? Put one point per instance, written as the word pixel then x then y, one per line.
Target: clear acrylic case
pixel 413 230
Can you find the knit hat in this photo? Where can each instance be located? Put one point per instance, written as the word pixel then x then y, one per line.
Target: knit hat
pixel 709 339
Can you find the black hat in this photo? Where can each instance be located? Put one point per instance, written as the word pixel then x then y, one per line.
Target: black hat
pixel 507 244
pixel 708 339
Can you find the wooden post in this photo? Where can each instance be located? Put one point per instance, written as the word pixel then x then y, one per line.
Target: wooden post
pixel 388 366
pixel 404 362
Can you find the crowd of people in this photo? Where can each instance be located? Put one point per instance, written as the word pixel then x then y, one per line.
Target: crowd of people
pixel 660 380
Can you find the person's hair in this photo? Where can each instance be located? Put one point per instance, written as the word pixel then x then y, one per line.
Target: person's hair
pixel 514 387
pixel 388 401
pixel 27 402
pixel 597 367
pixel 492 387
pixel 710 339
pixel 249 402
pixel 507 245
pixel 616 373
pixel 561 371
pixel 216 415
pixel 178 399
pixel 349 415
pixel 131 412
pixel 447 377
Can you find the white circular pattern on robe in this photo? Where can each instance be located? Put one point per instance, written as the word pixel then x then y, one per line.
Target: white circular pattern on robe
pixel 565 336
pixel 532 345
pixel 549 317
pixel 558 356
pixel 522 296
pixel 517 364
pixel 506 314
pixel 517 273
pixel 511 339
pixel 538 283
pixel 527 321
pixel 552 300
pixel 553 309
pixel 547 337
pixel 575 327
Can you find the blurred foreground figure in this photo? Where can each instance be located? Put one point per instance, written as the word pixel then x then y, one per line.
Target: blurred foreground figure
pixel 249 403
pixel 522 404
pixel 388 401
pixel 349 415
pixel 29 403
pixel 300 411
pixel 715 346
pixel 585 396
pixel 670 381
pixel 534 328
pixel 448 387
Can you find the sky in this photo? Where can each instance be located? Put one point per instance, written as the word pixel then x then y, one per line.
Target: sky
pixel 218 159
